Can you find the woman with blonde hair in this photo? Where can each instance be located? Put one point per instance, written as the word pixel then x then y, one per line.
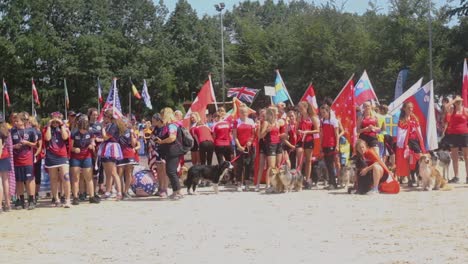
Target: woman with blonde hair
pixel 368 127
pixel 270 132
pixel 110 151
pixel 308 125
pixel 194 152
pixel 170 149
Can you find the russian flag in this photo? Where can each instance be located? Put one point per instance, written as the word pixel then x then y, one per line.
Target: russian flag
pixel 364 91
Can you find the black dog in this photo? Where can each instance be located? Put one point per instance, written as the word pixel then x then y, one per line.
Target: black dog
pixel 363 184
pixel 211 173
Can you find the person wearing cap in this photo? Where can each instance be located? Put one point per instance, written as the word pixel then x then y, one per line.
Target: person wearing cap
pixel 23 140
pixel 56 160
pixel 5 166
pixel 456 134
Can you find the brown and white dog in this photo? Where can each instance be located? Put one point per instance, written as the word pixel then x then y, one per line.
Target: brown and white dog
pixel 291 179
pixel 276 176
pixel 347 175
pixel 431 177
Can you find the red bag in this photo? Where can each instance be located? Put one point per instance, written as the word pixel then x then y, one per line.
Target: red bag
pixel 392 187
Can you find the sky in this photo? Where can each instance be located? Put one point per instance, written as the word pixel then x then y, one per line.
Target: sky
pixel 353 6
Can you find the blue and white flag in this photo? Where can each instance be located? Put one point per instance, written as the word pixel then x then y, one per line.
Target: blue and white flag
pixel 146 96
pixel 400 83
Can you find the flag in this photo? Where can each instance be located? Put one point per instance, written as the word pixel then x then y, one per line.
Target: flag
pixel 205 97
pixel 100 99
pixel 395 106
pixel 465 84
pixel 243 93
pixel 400 83
pixel 112 102
pixel 423 103
pixel 309 96
pixel 145 95
pixel 345 110
pixel 364 91
pixel 281 91
pixel 135 91
pixel 67 100
pixel 5 93
pixel 34 92
pixel 233 114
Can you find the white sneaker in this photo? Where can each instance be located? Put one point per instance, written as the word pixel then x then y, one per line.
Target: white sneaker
pixel 239 188
pixel 257 188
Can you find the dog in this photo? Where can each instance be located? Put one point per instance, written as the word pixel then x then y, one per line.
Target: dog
pixel 212 173
pixel 319 172
pixel 183 174
pixel 276 175
pixel 362 184
pixel 430 176
pixel 291 179
pixel 443 159
pixel 347 175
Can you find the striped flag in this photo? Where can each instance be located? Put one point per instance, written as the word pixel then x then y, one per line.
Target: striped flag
pixel 5 93
pixel 112 102
pixel 67 100
pixel 135 91
pixel 364 91
pixel 145 95
pixel 35 93
pixel 282 93
pixel 100 99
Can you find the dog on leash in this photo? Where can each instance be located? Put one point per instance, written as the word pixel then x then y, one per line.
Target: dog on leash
pixel 443 159
pixel 276 175
pixel 431 177
pixel 347 175
pixel 291 179
pixel 211 173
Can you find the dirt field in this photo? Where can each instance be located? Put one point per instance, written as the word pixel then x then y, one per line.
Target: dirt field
pixel 309 226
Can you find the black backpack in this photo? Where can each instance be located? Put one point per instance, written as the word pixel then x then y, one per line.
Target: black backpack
pixel 184 139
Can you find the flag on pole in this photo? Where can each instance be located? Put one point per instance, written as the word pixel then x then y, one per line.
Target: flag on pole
pixel 345 110
pixel 396 105
pixel 67 100
pixel 465 84
pixel 112 102
pixel 145 95
pixel 400 83
pixel 309 96
pixel 135 91
pixel 205 97
pixel 364 91
pixel 35 93
pixel 243 93
pixel 100 99
pixel 282 93
pixel 5 93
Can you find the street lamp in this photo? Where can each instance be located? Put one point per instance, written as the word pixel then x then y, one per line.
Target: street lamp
pixel 219 7
pixel 430 39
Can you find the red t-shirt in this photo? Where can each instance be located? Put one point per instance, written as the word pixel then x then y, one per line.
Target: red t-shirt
pixel 371 157
pixel 125 142
pixel 292 134
pixel 367 121
pixel 457 124
pixel 56 145
pixel 24 155
pixel 244 130
pixel 306 125
pixel 273 136
pixel 203 133
pixel 5 152
pixel 328 132
pixel 81 141
pixel 222 132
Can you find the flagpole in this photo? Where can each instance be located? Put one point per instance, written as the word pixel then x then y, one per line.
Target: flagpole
pixel 352 76
pixel 65 97
pixel 32 97
pixel 3 89
pixel 98 103
pixel 129 104
pixel 114 82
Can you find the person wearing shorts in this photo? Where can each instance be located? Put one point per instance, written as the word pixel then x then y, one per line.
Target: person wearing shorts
pixel 5 165
pixel 368 127
pixel 222 137
pixel 56 159
pixel 95 128
pixel 24 140
pixel 194 152
pixel 270 132
pixel 81 162
pixel 244 129
pixel 127 142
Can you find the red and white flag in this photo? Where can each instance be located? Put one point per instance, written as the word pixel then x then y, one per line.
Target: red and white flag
pixel 100 99
pixel 310 97
pixel 465 84
pixel 205 97
pixel 5 93
pixel 345 110
pixel 34 92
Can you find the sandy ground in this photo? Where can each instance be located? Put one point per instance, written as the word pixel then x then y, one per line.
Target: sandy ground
pixel 231 227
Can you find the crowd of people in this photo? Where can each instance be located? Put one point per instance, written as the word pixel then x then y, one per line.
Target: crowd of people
pixel 91 160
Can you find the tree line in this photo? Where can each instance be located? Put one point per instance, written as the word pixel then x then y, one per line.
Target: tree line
pixel 83 40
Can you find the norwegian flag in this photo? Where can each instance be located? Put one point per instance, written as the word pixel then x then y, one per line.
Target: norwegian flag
pixel 34 92
pixel 243 93
pixel 99 91
pixel 309 96
pixel 112 102
pixel 5 93
pixel 345 110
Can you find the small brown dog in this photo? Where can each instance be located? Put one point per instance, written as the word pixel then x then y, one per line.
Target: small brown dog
pixel 276 176
pixel 430 176
pixel 291 179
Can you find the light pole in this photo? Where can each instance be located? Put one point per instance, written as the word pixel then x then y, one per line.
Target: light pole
pixel 430 39
pixel 219 7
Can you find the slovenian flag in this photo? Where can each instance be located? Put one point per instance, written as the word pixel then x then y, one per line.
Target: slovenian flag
pixel 5 93
pixel 364 91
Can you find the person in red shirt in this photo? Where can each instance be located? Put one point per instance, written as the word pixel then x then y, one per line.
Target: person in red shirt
pixel 204 139
pixel 56 159
pixel 81 162
pixel 222 137
pixel 5 165
pixel 194 152
pixel 456 134
pixel 291 140
pixel 24 140
pixel 243 132
pixel 128 142
pixel 368 127
pixel 376 170
pixel 270 133
pixel 308 124
pixel 329 138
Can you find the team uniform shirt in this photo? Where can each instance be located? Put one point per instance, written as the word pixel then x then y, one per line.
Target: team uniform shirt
pixel 457 124
pixel 5 152
pixel 367 121
pixel 82 141
pixel 328 132
pixel 112 132
pixel 56 145
pixel 244 130
pixel 292 134
pixel 273 137
pixel 39 135
pixel 202 133
pixel 95 129
pixel 125 142
pixel 222 131
pixel 306 125
pixel 24 155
